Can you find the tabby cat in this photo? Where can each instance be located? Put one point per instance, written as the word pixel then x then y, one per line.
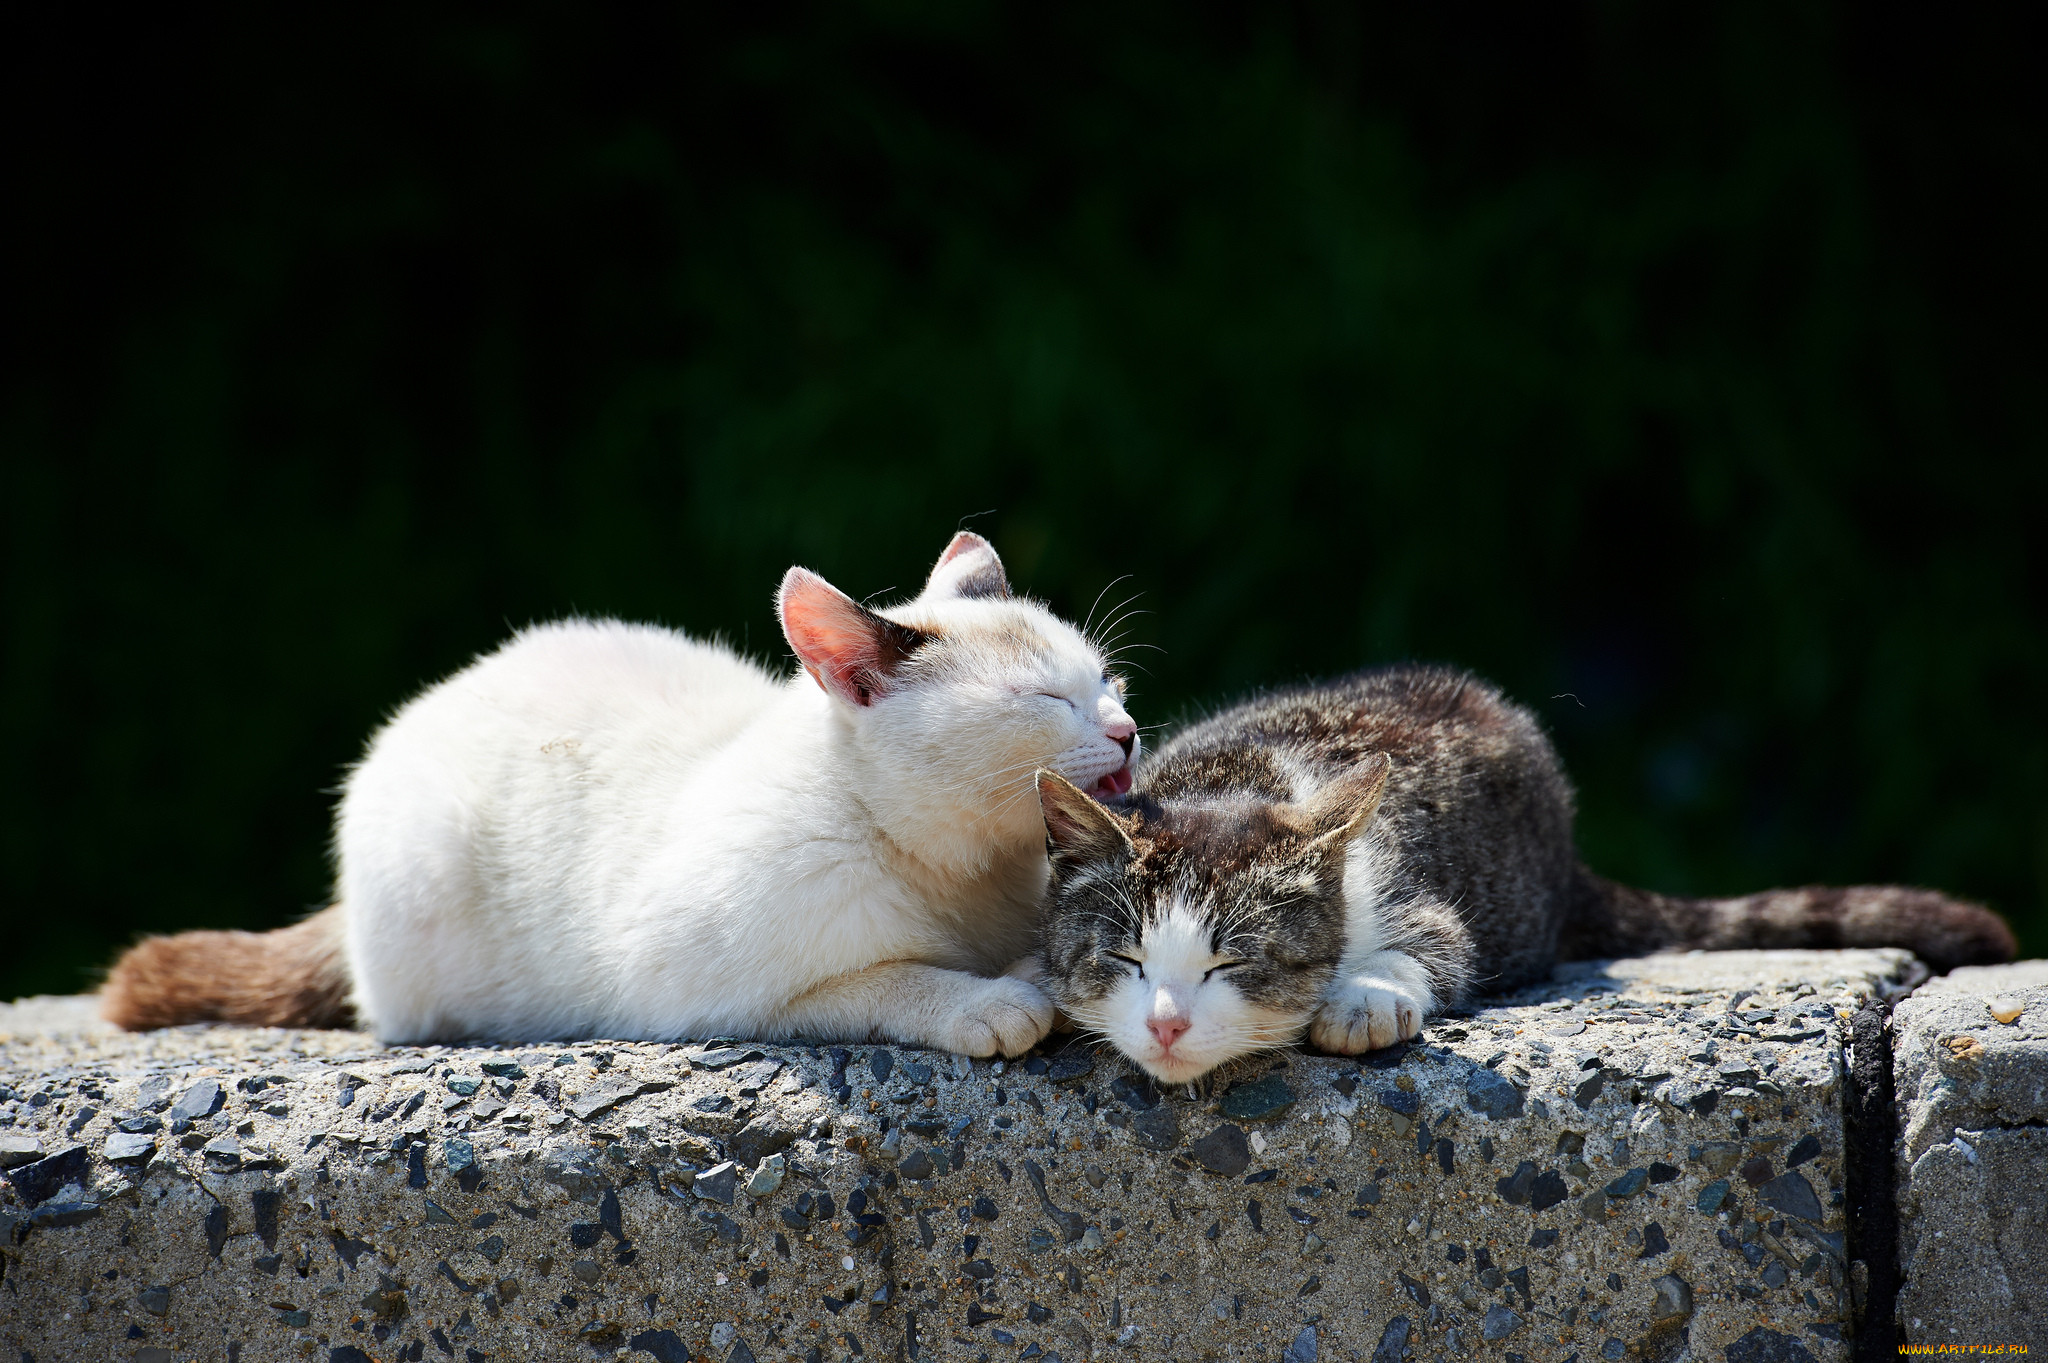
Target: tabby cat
pixel 1341 860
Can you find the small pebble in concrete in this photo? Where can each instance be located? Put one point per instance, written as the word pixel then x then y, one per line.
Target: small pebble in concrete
pixel 767 1178
pixel 717 1183
pixel 202 1099
pixel 1515 1187
pixel 44 1178
pixel 2005 1008
pixel 1673 1300
pixel 1629 1184
pixel 1763 1345
pixel 1223 1151
pixel 1492 1096
pixel 1500 1322
pixel 1260 1100
pixel 1791 1194
pixel 124 1148
pixel 1547 1191
pixel 18 1148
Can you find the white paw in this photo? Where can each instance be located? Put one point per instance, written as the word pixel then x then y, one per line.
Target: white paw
pixel 1365 1013
pixel 1006 1016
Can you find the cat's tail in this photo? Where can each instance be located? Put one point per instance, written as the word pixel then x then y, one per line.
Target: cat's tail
pixel 1617 920
pixel 293 977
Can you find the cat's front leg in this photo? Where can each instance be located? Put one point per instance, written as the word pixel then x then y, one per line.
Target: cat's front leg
pixel 1028 968
pixel 925 1005
pixel 1032 968
pixel 1375 1001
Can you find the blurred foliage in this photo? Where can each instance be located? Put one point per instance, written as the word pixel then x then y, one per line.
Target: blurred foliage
pixel 1677 368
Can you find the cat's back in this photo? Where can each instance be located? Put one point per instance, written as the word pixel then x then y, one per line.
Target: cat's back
pixel 1439 724
pixel 569 724
pixel 1477 812
pixel 581 680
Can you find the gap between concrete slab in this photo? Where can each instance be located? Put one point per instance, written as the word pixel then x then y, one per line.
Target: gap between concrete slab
pixel 1870 1122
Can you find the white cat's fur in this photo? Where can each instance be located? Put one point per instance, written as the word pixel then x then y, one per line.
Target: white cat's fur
pixel 614 830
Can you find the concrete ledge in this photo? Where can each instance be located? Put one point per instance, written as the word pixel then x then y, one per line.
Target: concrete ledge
pixel 1640 1160
pixel 1971 1069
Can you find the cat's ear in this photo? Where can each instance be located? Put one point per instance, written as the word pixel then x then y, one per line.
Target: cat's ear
pixel 969 567
pixel 1341 810
pixel 1078 830
pixel 848 649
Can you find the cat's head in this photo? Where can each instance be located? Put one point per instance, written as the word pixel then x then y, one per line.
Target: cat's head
pixel 952 701
pixel 1190 933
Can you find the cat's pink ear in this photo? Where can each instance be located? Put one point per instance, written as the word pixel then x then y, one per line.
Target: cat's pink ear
pixel 969 567
pixel 848 649
pixel 1078 830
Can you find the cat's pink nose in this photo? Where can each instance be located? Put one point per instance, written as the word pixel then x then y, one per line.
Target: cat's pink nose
pixel 1168 1030
pixel 1116 721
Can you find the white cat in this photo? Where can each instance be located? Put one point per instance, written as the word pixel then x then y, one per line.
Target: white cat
pixel 614 830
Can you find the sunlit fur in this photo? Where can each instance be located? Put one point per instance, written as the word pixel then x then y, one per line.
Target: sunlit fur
pixel 605 829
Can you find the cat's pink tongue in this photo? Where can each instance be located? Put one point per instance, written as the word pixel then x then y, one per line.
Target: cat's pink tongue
pixel 1112 785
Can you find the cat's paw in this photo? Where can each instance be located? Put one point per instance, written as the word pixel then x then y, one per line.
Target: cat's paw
pixel 1006 1016
pixel 1366 1013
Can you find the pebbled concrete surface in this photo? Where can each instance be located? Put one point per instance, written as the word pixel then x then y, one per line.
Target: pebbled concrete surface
pixel 1970 1061
pixel 1639 1160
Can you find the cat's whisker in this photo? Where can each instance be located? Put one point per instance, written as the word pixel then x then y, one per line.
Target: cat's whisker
pixel 1098 601
pixel 1115 612
pixel 1115 634
pixel 1120 615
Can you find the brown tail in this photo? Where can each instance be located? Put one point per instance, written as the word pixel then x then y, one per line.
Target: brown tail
pixel 1616 920
pixel 293 977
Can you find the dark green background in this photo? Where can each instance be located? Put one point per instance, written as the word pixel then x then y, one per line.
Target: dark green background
pixel 1680 370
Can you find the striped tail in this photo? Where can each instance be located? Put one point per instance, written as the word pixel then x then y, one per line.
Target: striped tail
pixel 293 977
pixel 1617 920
